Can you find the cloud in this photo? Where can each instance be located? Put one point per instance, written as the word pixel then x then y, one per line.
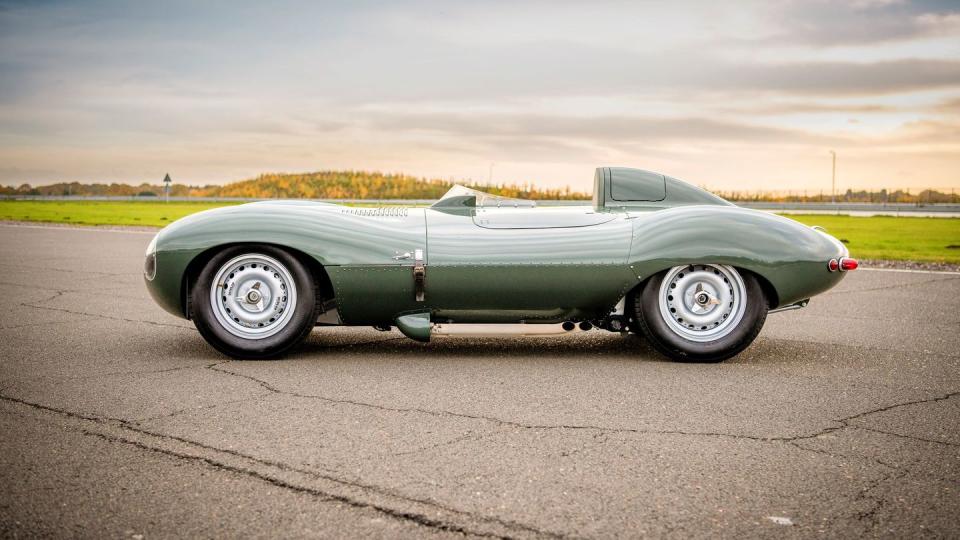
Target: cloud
pixel 845 78
pixel 827 24
pixel 112 88
pixel 807 107
pixel 597 130
pixel 949 106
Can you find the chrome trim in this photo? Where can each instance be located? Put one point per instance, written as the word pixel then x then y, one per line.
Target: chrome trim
pixel 495 330
pixel 419 275
pixel 791 307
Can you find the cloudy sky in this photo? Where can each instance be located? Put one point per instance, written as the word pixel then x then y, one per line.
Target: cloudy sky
pixel 748 95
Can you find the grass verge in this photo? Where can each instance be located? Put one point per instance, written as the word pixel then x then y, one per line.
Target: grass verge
pixel 893 238
pixel 152 214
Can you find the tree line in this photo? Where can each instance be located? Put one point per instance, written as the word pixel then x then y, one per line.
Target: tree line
pixel 376 185
pixel 315 185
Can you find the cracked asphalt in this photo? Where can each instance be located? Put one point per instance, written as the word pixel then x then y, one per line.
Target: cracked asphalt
pixel 117 420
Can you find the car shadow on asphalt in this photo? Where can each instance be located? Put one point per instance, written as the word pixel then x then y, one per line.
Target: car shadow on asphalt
pixel 362 344
pixel 395 344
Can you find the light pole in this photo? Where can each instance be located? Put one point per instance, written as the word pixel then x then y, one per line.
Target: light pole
pixel 833 179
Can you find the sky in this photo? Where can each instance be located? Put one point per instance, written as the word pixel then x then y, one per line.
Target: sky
pixel 746 95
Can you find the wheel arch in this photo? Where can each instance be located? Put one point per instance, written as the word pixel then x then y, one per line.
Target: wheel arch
pixel 325 290
pixel 769 291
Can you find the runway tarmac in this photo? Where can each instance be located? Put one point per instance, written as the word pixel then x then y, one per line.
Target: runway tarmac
pixel 118 420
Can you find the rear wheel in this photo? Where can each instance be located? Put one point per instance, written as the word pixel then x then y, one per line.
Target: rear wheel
pixel 701 312
pixel 254 302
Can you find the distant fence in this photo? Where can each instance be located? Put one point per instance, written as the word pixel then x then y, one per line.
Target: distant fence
pixel 902 209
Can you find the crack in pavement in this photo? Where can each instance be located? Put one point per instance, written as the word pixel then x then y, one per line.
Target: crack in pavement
pixel 62 290
pixel 418 519
pixel 470 436
pixel 178 412
pixel 35 287
pixel 40 323
pixel 414 517
pixel 112 373
pixel 71 271
pixel 878 461
pixel 440 413
pixel 150 372
pixel 845 421
pixel 96 315
pixel 903 436
pixel 870 515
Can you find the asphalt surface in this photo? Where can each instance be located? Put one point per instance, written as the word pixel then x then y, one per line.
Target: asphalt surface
pixel 117 420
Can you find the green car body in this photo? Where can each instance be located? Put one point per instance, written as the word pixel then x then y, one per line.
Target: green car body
pixel 483 259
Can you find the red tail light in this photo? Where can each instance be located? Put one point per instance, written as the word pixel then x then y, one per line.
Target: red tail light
pixel 833 265
pixel 846 263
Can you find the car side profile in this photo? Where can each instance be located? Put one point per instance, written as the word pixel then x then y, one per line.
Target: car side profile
pixel 691 272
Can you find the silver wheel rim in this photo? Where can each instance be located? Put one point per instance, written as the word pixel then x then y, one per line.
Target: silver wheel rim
pixel 702 302
pixel 253 296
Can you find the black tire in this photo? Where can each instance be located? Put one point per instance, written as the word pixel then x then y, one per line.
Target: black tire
pixel 650 323
pixel 304 315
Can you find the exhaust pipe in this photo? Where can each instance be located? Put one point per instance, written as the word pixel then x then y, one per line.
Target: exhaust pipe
pixel 418 326
pixel 500 330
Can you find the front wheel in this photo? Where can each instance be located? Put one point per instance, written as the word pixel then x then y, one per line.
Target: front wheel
pixel 700 312
pixel 254 302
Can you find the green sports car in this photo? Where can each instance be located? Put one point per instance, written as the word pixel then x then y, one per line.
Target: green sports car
pixel 693 273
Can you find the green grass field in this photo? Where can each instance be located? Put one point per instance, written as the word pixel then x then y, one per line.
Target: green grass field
pixel 151 214
pixel 892 238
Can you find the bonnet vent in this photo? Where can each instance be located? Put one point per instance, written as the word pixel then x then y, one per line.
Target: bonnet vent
pixel 381 212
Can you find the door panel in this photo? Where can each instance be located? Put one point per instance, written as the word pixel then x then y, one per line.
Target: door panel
pixel 479 274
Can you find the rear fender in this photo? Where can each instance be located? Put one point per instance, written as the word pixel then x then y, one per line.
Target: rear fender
pixel 791 257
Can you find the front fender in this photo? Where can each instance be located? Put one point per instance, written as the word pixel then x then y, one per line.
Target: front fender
pixel 332 235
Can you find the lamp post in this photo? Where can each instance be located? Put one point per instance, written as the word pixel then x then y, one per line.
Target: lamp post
pixel 833 179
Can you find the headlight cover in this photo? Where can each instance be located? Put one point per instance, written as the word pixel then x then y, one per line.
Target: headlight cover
pixel 150 264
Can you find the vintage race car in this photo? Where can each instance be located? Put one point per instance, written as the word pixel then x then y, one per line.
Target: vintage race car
pixel 693 273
